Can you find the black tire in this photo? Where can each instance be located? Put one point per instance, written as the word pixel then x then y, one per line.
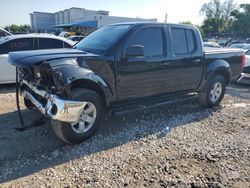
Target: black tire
pixel 65 131
pixel 205 97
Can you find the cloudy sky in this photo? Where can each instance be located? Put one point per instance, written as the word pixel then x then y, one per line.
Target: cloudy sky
pixel 17 11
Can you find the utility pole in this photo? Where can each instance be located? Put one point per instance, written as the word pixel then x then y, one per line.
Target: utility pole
pixel 166 17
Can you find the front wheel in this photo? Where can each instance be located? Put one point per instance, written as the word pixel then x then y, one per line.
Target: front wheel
pixel 88 123
pixel 214 92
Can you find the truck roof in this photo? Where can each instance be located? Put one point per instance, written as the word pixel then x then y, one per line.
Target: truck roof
pixel 155 23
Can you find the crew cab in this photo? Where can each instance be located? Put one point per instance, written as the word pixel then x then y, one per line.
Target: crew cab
pixel 120 68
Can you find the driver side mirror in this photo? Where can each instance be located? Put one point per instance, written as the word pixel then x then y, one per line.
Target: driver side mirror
pixel 134 51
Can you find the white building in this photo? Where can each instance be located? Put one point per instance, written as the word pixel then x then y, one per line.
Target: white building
pixel 76 17
pixel 42 21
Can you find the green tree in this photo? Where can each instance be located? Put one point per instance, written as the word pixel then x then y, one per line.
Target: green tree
pixel 241 24
pixel 186 22
pixel 18 28
pixel 213 25
pixel 201 31
pixel 217 16
pixel 217 9
pixel 213 9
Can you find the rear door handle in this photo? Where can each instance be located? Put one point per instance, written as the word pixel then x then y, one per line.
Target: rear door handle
pixel 164 63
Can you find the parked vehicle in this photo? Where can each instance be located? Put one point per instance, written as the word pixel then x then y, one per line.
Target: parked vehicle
pixel 64 34
pixel 76 38
pixel 23 43
pixel 223 44
pixel 237 45
pixel 246 47
pixel 211 45
pixel 4 33
pixel 119 68
pixel 245 75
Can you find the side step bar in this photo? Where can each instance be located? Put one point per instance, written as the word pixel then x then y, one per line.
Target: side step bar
pixel 137 107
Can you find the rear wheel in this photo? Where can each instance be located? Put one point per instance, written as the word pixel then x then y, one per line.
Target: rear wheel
pixel 214 92
pixel 88 123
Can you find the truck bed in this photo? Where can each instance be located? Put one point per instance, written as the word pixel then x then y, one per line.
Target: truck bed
pixel 232 56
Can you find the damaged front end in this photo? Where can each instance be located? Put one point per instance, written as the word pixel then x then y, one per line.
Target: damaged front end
pixel 46 79
pixel 54 107
pixel 45 87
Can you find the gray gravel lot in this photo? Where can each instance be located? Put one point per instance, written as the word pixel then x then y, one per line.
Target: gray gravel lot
pixel 181 145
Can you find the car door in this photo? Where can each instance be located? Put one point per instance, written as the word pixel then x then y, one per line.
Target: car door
pixel 7 71
pixel 183 67
pixel 139 76
pixel 5 68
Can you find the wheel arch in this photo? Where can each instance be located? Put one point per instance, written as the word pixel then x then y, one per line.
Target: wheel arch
pixel 224 73
pixel 71 77
pixel 218 67
pixel 89 84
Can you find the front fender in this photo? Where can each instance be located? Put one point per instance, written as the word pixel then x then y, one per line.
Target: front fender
pixel 69 75
pixel 216 67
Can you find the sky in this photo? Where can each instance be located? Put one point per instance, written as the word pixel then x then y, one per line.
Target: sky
pixel 17 11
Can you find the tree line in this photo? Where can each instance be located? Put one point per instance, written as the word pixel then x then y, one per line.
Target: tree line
pixel 18 28
pixel 225 17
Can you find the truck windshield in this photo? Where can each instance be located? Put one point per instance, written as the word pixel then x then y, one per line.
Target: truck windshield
pixel 102 39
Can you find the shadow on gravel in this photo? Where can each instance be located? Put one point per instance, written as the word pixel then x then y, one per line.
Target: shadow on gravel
pixel 37 148
pixel 16 140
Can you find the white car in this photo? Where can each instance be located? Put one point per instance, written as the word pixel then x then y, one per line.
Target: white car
pixel 211 45
pixel 23 43
pixel 245 75
pixel 246 48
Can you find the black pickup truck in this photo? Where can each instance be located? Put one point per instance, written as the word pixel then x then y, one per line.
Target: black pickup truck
pixel 119 68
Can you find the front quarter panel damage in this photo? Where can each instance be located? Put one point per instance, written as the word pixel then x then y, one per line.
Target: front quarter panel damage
pixel 67 72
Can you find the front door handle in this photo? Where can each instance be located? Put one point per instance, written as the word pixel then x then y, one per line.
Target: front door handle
pixel 196 61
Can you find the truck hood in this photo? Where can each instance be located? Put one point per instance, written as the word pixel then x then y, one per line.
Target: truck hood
pixel 26 59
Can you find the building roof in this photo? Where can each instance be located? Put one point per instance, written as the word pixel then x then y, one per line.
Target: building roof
pixel 37 12
pixel 92 23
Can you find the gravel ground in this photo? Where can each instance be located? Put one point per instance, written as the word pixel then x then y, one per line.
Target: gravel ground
pixel 182 145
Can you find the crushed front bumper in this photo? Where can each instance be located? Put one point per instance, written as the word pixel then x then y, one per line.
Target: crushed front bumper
pixel 56 108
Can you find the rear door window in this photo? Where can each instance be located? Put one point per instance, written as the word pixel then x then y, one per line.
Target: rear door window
pixel 66 45
pixel 190 40
pixel 179 41
pixel 23 44
pixel 44 43
pixel 183 41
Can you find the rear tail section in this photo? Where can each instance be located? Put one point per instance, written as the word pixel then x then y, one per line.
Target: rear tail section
pixel 243 62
